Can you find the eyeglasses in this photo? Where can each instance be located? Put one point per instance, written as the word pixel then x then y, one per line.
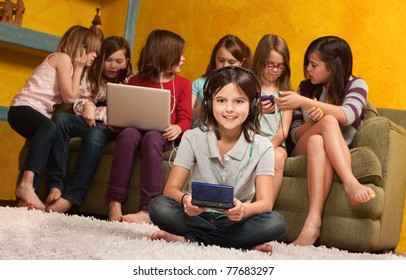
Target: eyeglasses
pixel 271 66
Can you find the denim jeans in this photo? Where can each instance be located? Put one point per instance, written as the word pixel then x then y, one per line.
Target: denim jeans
pixel 152 146
pixel 40 131
pixel 91 148
pixel 206 229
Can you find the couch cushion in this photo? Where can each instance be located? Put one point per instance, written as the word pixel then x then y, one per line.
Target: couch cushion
pixel 293 196
pixel 365 165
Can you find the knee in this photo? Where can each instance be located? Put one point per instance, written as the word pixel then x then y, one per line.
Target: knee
pixel 280 157
pixel 157 204
pixel 129 136
pixel 315 142
pixel 61 119
pixel 153 139
pixel 329 122
pixel 275 222
pixel 95 137
pixel 158 207
pixel 50 129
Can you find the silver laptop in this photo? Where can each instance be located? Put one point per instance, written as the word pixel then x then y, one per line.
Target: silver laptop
pixel 140 107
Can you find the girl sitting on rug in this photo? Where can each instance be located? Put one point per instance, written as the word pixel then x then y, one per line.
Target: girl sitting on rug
pixel 225 149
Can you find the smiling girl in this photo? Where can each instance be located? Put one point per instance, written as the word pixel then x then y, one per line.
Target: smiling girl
pixel 226 149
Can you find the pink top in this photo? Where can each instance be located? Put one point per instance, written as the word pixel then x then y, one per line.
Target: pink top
pixel 41 90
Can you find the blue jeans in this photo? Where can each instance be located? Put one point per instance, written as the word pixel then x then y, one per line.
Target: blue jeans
pixel 39 131
pixel 207 229
pixel 91 148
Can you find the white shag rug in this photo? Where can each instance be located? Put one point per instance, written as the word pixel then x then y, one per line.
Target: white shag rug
pixel 35 235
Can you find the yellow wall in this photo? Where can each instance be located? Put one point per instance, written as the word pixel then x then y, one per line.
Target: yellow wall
pixel 373 28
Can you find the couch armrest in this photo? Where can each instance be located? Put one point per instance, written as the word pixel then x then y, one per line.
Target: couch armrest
pixel 377 133
pixel 388 141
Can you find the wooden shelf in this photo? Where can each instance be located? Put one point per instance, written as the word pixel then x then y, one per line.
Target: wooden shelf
pixel 17 37
pixel 28 38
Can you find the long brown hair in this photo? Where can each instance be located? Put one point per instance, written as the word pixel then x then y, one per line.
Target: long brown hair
pixel 235 47
pixel 109 46
pixel 336 54
pixel 162 51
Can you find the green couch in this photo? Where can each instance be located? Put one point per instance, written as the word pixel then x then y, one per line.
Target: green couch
pixel 378 159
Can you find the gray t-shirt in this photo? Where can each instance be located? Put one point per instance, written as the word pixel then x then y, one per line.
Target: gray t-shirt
pixel 198 152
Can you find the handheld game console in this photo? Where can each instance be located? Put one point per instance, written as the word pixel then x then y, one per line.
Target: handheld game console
pixel 212 195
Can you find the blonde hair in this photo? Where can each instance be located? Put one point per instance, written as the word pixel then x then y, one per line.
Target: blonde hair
pixel 77 38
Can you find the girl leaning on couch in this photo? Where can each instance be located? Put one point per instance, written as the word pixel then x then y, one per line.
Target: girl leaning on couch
pixel 89 122
pixel 331 107
pixel 55 81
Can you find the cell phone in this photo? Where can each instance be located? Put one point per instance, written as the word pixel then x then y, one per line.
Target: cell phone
pixel 269 97
pixel 120 75
pixel 212 195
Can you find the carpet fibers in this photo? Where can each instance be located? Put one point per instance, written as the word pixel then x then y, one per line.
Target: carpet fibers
pixel 35 235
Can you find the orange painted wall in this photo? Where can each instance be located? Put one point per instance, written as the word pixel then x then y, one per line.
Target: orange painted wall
pixel 373 28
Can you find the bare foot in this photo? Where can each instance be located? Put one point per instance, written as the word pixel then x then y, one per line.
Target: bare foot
pixel 161 234
pixel 139 217
pixel 60 206
pixel 25 204
pixel 28 198
pixel 54 195
pixel 266 248
pixel 115 213
pixel 358 193
pixel 308 236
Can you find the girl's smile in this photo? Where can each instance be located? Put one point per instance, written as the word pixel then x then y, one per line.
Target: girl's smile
pixel 230 108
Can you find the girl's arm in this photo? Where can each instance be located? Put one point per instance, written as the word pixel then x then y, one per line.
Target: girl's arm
pixel 290 100
pixel 176 181
pixel 263 196
pixel 173 188
pixel 263 200
pixel 195 111
pixel 68 84
pixel 284 127
pixel 183 111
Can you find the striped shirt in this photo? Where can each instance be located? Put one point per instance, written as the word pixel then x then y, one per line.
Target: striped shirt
pixel 354 103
